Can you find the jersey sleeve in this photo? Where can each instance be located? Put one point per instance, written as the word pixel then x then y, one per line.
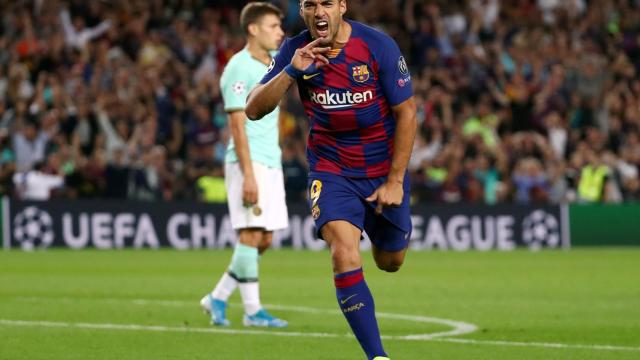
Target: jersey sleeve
pixel 394 73
pixel 282 59
pixel 235 86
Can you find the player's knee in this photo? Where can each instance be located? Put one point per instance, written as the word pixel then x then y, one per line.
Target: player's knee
pixel 267 238
pixel 343 254
pixel 344 257
pixel 263 247
pixel 393 267
pixel 390 265
pixel 265 243
pixel 250 237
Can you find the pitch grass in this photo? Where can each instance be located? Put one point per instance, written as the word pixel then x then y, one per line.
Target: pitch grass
pixel 579 297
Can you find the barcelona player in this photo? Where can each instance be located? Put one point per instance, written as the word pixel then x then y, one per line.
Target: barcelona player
pixel 356 90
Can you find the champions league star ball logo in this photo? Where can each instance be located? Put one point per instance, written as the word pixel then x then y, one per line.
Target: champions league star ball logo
pixel 32 228
pixel 402 66
pixel 238 87
pixel 540 228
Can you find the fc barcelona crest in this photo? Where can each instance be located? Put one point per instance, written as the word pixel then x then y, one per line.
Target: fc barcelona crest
pixel 360 73
pixel 315 212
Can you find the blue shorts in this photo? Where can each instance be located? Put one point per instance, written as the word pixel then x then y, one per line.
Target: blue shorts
pixel 334 197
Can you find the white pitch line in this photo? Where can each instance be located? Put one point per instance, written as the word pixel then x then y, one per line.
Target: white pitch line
pixel 136 327
pixel 458 327
pixel 159 328
pixel 540 344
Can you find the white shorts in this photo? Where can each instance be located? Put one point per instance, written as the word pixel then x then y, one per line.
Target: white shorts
pixel 270 212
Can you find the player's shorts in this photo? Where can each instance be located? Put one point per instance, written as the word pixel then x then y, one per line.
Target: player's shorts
pixel 270 213
pixel 334 197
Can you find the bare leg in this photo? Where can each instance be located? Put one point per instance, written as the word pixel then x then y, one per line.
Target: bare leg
pixel 250 236
pixel 353 294
pixel 344 241
pixel 388 261
pixel 265 241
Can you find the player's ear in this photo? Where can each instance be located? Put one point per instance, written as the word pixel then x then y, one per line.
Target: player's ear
pixel 253 29
pixel 343 6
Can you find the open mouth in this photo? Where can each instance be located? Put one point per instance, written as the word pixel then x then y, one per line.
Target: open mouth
pixel 322 27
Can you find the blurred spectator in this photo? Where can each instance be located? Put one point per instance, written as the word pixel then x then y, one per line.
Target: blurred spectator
pixel 7 163
pixel 210 185
pixel 525 100
pixel 36 184
pixel 117 175
pixel 593 177
pixel 29 145
pixel 531 184
pixel 76 34
pixel 202 134
pixel 557 134
pixel 295 172
pixel 487 174
pixel 628 174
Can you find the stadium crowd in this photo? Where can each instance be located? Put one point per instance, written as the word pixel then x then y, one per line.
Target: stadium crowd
pixel 518 100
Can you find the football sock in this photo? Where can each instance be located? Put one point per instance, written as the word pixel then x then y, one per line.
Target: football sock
pixel 225 287
pixel 244 269
pixel 250 297
pixel 356 303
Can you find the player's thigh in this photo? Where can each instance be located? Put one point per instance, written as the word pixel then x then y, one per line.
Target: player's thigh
pixel 387 260
pixel 338 210
pixel 250 236
pixel 265 241
pixel 331 198
pixel 389 232
pixel 242 216
pixel 274 199
pixel 389 242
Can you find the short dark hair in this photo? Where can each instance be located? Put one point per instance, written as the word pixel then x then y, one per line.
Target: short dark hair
pixel 254 11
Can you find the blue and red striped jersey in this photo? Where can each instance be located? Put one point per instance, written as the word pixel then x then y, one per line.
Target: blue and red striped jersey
pixel 349 102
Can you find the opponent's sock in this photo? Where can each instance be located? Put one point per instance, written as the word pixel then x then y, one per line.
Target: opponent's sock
pixel 225 287
pixel 244 269
pixel 250 297
pixel 356 303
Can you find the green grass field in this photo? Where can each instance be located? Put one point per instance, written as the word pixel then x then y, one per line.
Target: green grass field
pixel 580 304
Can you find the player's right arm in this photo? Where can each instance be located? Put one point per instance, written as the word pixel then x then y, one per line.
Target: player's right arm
pixel 264 98
pixel 283 72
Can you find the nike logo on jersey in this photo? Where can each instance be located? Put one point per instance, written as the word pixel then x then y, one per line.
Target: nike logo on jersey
pixel 307 77
pixel 347 299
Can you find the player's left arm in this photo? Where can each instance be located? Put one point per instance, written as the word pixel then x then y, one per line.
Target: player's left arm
pixel 391 192
pixel 396 85
pixel 234 85
pixel 406 126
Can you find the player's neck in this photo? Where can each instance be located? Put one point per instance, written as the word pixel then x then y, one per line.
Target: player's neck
pixel 343 35
pixel 258 52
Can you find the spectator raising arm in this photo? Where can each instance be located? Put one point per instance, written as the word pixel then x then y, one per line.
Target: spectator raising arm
pixel 78 38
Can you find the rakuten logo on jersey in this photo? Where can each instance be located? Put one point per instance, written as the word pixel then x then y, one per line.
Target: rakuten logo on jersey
pixel 329 100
